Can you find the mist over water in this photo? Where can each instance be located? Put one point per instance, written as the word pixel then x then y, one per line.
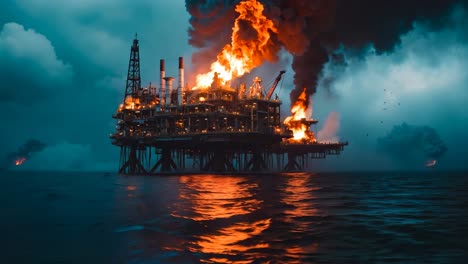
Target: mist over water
pixel 403 217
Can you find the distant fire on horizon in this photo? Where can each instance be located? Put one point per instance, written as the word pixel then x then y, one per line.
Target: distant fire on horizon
pixel 19 161
pixel 22 154
pixel 431 163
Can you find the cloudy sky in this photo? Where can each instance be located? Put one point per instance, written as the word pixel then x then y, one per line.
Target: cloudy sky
pixel 63 66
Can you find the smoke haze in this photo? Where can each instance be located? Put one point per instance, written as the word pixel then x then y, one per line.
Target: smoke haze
pixel 330 128
pixel 404 140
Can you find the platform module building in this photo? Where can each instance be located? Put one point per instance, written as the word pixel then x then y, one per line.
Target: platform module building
pixel 222 129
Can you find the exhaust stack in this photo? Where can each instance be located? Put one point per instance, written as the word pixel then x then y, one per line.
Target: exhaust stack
pixel 170 100
pixel 181 81
pixel 162 84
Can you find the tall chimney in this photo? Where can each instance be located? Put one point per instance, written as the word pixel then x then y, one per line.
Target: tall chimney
pixel 181 80
pixel 169 90
pixel 162 87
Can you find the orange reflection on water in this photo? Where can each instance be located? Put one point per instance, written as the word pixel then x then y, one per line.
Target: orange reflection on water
pixel 131 188
pixel 298 194
pixel 294 252
pixel 227 239
pixel 217 201
pixel 215 197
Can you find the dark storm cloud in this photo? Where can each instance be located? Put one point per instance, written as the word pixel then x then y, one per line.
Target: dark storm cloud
pixel 312 30
pixel 404 140
pixel 421 81
pixel 361 22
pixel 29 66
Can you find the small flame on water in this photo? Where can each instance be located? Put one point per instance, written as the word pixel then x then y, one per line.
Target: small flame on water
pixel 20 161
pixel 431 163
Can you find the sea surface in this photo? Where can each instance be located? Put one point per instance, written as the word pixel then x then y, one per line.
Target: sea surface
pixel 371 217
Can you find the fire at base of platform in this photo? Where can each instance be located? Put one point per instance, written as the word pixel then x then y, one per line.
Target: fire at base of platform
pixel 219 128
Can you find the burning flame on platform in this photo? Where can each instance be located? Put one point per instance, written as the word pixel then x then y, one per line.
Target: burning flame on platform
pixel 245 52
pixel 20 161
pixel 301 130
pixel 130 103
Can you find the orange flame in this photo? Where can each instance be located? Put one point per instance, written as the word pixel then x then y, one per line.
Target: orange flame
pixel 19 161
pixel 248 48
pixel 130 103
pixel 297 121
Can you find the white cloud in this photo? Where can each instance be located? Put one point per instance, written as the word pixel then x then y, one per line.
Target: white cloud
pixel 100 32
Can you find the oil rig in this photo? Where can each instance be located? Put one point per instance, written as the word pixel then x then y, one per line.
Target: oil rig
pixel 218 129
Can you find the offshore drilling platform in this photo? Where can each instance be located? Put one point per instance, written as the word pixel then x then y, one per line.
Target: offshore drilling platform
pixel 217 129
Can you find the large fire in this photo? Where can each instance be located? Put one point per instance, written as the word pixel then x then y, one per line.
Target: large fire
pixel 297 122
pixel 20 161
pixel 248 48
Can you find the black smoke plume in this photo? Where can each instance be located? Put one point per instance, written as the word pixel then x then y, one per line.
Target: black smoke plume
pixel 312 30
pixel 404 140
pixel 24 151
pixel 303 25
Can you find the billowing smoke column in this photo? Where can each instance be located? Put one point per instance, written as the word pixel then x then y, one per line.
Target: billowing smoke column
pixel 23 153
pixel 329 129
pixel 312 30
pixel 301 26
pixel 404 140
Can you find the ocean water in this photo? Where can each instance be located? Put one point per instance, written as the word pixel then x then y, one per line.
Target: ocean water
pixel 372 217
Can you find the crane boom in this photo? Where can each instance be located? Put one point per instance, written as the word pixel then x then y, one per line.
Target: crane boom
pixel 273 86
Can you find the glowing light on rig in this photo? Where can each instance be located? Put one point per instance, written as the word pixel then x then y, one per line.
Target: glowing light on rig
pixel 243 53
pixel 131 103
